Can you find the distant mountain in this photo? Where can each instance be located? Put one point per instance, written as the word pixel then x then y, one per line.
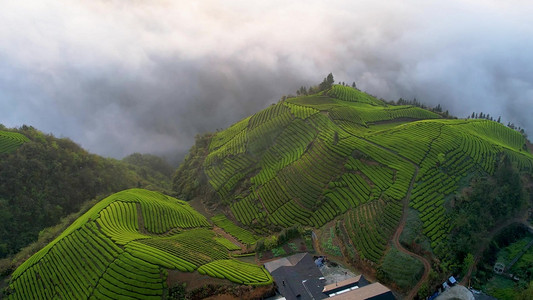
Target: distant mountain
pixel 370 166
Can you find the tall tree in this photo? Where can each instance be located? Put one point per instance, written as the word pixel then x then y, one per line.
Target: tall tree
pixel 330 79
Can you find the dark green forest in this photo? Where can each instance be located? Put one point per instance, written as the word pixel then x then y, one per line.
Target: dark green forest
pixel 49 178
pixel 489 201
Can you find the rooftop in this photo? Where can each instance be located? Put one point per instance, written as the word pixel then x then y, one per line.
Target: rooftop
pixel 297 277
pixel 289 261
pixel 348 283
pixel 372 291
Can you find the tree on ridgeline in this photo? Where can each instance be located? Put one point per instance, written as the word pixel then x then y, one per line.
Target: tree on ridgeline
pixel 302 91
pixel 326 83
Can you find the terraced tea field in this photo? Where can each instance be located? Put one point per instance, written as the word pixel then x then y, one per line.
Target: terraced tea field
pixel 121 249
pixel 345 154
pixel 10 141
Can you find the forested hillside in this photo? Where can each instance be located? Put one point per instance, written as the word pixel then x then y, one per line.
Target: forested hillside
pixel 44 178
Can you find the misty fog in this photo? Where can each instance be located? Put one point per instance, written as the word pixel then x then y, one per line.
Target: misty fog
pixel 119 77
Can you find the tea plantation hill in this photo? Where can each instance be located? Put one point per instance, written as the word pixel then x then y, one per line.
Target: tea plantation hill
pixel 344 155
pixel 122 248
pixel 44 179
pixel 9 141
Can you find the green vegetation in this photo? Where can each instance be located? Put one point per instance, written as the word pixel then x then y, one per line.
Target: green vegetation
pixel 334 155
pixel 400 269
pixel 227 243
pixel 328 243
pixel 491 200
pixel 108 253
pixel 243 235
pixel 335 152
pixel 237 271
pixel 189 180
pixel 506 246
pixel 501 288
pixel 46 178
pixel 345 93
pixel 412 236
pixel 278 251
pixel 152 169
pixel 10 141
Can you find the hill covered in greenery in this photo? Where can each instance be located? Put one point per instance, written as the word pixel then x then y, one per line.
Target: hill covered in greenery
pixel 44 179
pixel 409 195
pixel 122 248
pixel 341 154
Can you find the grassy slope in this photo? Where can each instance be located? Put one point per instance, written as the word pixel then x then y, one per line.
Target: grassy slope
pixel 310 159
pixel 122 246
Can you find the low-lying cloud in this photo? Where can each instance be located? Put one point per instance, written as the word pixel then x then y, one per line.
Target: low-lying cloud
pixel 147 76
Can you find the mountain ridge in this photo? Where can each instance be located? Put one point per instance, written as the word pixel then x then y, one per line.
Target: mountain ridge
pixel 311 159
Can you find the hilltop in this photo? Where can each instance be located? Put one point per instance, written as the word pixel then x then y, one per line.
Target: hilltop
pixel 386 178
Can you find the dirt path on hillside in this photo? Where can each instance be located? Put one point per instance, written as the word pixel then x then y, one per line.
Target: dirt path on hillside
pixel 397 244
pixel 229 237
pixel 521 220
pixel 397 234
pixel 399 230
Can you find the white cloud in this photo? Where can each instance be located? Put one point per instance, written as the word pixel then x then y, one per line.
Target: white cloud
pixel 174 68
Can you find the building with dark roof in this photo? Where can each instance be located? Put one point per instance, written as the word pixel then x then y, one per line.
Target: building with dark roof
pixel 297 277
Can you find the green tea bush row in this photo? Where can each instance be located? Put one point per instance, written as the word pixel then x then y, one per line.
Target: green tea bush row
pixel 239 233
pixel 10 141
pixel 237 271
pixel 300 111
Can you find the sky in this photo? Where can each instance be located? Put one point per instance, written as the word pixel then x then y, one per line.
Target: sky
pixel 119 77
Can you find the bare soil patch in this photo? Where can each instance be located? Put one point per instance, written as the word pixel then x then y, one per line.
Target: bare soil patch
pixel 246 293
pixel 194 280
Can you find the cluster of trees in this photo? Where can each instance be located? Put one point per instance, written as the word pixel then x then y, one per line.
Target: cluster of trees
pixel 153 169
pixel 413 102
pixel 511 125
pixel 281 238
pixel 49 178
pixel 190 181
pixel 488 201
pixel 437 109
pixel 327 83
pixel 481 115
pixel 346 84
